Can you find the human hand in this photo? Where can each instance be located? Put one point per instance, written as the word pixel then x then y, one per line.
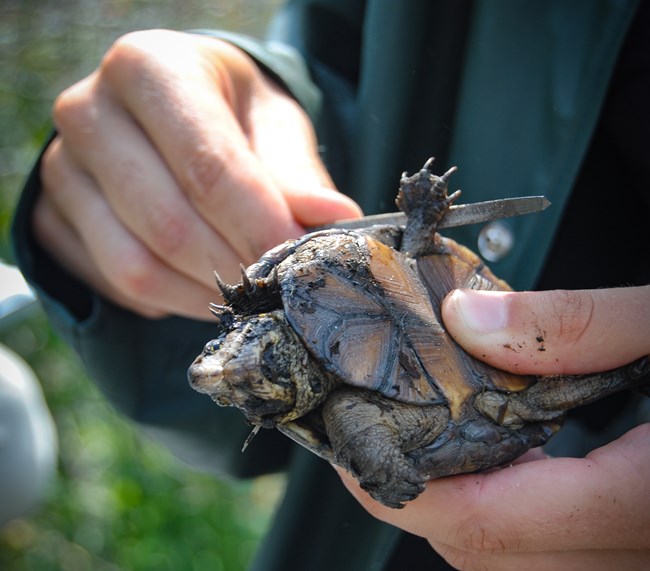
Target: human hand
pixel 542 513
pixel 177 157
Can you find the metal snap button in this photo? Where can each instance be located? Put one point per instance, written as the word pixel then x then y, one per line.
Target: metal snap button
pixel 495 241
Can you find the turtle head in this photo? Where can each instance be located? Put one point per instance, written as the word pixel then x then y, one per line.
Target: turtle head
pixel 261 367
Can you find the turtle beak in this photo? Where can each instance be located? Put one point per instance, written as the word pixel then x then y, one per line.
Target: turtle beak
pixel 204 375
pixel 208 375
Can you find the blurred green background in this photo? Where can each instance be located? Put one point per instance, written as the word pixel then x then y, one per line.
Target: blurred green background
pixel 119 502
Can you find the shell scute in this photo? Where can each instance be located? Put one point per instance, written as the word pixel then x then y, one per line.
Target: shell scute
pixel 367 316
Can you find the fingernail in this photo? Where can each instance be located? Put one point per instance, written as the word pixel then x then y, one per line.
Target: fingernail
pixel 481 311
pixel 338 198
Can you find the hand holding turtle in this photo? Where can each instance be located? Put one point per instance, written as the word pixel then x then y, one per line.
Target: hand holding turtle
pixel 176 157
pixel 552 332
pixel 543 513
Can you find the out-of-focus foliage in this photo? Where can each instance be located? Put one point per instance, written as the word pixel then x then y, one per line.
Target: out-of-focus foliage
pixel 119 501
pixel 47 45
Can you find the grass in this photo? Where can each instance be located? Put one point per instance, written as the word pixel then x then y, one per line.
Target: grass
pixel 118 501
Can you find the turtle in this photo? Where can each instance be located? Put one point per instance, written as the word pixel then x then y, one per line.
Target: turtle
pixel 336 340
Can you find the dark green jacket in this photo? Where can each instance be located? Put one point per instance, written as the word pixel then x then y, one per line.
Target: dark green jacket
pixel 509 91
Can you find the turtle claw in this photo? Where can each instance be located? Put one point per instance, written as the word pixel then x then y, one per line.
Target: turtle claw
pixel 453 196
pixel 428 164
pixel 228 292
pixel 273 281
pixel 448 174
pixel 404 485
pixel 249 287
pixel 223 313
pixel 216 309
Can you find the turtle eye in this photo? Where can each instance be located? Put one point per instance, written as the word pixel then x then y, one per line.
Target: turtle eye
pixel 211 347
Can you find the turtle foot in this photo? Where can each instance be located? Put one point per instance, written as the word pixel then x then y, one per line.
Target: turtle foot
pixel 479 445
pixel 424 199
pixel 370 436
pixel 398 483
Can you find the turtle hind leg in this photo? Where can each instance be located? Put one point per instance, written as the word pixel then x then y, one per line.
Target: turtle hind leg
pixel 370 436
pixel 423 198
pixel 552 397
pixel 476 444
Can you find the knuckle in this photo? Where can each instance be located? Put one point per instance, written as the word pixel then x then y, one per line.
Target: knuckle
pixel 50 166
pixel 129 48
pixel 207 173
pixel 73 112
pixel 573 312
pixel 59 174
pixel 136 276
pixel 477 535
pixel 133 54
pixel 170 231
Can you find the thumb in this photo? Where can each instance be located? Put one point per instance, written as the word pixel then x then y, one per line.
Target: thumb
pixel 551 332
pixel 317 205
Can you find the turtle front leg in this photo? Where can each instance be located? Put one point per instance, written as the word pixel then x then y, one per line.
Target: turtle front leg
pixel 371 437
pixel 424 199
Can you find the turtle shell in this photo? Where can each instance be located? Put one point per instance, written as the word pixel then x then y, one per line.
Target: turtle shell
pixel 370 315
pixel 336 339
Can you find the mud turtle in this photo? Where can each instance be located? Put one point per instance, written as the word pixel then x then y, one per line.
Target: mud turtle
pixel 336 340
